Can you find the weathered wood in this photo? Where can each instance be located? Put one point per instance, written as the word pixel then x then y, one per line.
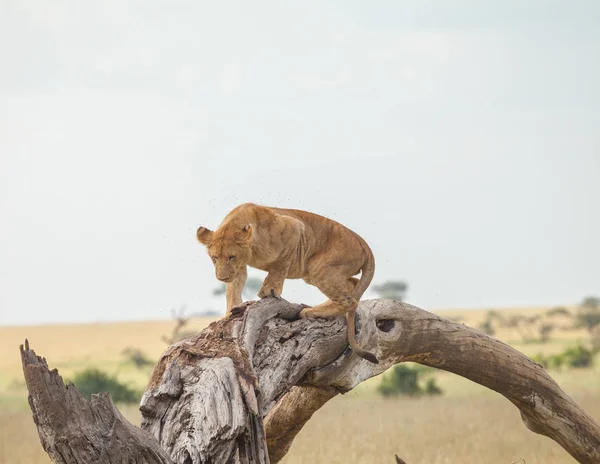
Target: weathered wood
pixel 240 391
pixel 402 332
pixel 222 382
pixel 74 430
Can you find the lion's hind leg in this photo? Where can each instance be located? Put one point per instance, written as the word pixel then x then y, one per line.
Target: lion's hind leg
pixel 339 292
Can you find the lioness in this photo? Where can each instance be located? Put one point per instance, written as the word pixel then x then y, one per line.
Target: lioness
pixel 292 244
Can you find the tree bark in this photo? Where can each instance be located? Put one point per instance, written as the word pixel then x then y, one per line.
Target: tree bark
pixel 240 391
pixel 74 430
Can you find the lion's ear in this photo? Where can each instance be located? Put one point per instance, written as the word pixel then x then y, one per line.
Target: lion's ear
pixel 247 232
pixel 205 236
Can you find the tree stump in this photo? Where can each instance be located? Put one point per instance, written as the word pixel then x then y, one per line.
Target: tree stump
pixel 240 390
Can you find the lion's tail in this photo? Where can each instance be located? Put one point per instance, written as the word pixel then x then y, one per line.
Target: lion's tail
pixel 366 276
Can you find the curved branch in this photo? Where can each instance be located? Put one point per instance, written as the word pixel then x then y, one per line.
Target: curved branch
pixel 402 332
pixel 248 384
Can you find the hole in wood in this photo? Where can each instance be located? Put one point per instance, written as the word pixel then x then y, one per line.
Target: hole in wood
pixel 385 325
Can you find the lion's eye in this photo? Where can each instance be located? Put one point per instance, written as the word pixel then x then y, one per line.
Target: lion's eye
pixel 231 258
pixel 214 258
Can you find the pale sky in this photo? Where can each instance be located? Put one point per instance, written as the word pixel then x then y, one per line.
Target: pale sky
pixel 460 139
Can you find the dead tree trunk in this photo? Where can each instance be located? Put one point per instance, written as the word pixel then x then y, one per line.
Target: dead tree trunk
pixel 240 391
pixel 75 430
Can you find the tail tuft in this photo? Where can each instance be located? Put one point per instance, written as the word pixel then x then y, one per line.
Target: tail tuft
pixel 368 356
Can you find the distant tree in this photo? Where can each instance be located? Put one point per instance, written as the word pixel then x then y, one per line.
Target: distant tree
pixel 591 303
pixel 492 320
pixel 588 313
pixel 514 321
pixel 181 320
pixel 487 327
pixel 136 357
pixel 495 315
pixel 392 289
pixel 526 326
pixel 536 328
pixel 545 330
pixel 558 311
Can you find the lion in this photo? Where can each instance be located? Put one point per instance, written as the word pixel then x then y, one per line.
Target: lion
pixel 292 244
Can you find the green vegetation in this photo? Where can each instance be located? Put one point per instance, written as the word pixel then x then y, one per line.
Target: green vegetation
pixel 404 380
pixel 93 380
pixel 578 356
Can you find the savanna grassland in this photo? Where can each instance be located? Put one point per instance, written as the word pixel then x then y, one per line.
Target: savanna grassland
pixel 467 424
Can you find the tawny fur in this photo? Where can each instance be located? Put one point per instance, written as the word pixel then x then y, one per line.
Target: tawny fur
pixel 292 244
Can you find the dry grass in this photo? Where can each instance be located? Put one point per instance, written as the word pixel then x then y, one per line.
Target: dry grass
pixel 433 431
pixel 71 348
pixel 354 430
pixel 19 441
pixel 469 424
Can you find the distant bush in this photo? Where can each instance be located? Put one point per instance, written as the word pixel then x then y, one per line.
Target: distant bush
pixel 553 361
pixel 487 327
pixel 95 381
pixel 579 356
pixel 431 388
pixel 556 361
pixel 404 380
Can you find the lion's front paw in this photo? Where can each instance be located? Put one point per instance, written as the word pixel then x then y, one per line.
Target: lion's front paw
pixel 267 290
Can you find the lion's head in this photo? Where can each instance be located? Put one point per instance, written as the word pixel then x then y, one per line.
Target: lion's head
pixel 229 249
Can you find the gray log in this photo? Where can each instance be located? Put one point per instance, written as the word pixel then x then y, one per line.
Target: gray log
pixel 240 391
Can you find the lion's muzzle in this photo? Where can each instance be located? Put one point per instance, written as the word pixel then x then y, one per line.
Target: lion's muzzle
pixel 225 277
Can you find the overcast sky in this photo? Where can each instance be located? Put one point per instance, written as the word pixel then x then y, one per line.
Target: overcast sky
pixel 460 139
